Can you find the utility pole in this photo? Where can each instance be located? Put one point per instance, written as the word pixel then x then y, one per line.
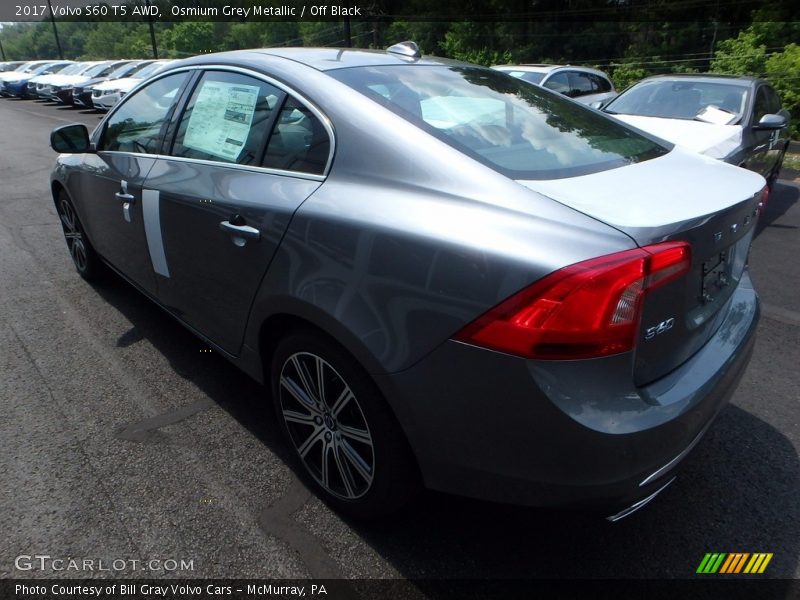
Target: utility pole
pixel 55 31
pixel 2 52
pixel 348 40
pixel 152 32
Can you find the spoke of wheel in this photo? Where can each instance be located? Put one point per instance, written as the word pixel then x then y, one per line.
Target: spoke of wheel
pixel 359 435
pixel 74 251
pixel 320 364
pixel 66 221
pixel 355 459
pixel 315 436
pixel 341 401
pixel 300 395
pixel 304 378
pixel 296 417
pixel 344 471
pixel 325 477
pixel 80 255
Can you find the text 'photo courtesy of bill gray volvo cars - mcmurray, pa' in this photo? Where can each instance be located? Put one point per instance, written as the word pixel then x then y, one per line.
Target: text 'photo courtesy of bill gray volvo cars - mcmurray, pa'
pixel 447 277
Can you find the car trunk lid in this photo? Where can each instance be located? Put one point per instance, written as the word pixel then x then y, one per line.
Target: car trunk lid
pixel 678 197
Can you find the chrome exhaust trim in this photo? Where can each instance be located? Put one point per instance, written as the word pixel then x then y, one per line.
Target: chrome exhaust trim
pixel 637 505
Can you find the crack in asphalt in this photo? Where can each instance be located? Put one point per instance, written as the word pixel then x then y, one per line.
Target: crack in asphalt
pixel 144 430
pixel 277 520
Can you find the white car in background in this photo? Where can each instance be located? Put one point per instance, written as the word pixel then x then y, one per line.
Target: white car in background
pixel 108 93
pixel 44 87
pixel 586 85
pixel 21 70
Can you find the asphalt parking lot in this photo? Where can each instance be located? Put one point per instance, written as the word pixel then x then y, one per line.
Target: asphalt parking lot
pixel 121 438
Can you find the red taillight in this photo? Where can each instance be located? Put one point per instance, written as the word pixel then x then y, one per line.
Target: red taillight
pixel 586 310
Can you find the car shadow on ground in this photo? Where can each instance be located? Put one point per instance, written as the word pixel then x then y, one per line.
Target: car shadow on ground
pixel 737 492
pixel 783 197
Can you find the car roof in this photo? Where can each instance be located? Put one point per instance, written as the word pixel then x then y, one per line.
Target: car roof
pixel 531 68
pixel 704 77
pixel 321 59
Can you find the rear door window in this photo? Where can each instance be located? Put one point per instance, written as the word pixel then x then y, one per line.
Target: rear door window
pixel 580 84
pixel 558 83
pixel 227 119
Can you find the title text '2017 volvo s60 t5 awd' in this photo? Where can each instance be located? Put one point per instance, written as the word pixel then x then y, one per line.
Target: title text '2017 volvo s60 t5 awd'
pixel 448 277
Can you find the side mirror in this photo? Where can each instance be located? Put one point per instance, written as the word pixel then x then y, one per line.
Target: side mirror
pixel 72 139
pixel 598 104
pixel 771 122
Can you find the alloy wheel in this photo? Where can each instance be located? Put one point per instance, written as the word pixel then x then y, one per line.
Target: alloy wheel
pixel 327 426
pixel 73 235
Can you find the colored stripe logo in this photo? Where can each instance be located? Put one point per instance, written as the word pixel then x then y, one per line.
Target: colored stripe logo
pixel 734 562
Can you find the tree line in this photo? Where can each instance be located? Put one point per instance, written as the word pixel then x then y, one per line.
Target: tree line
pixel 629 39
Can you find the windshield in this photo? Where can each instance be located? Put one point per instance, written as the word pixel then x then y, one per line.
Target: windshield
pixel 86 68
pixel 151 69
pixel 97 70
pixel 520 130
pixel 128 70
pixel 72 69
pixel 680 99
pixel 50 69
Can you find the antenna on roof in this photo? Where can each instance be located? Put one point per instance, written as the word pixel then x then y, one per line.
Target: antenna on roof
pixel 407 48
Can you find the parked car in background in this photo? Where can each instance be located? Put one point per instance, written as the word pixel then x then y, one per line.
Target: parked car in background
pixel 44 87
pixel 583 84
pixel 82 92
pixel 10 65
pixel 105 95
pixel 62 92
pixel 739 120
pixel 10 79
pixel 33 82
pixel 445 274
pixel 22 87
pixel 21 71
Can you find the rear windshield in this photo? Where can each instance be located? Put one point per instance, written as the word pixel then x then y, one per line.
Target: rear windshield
pixel 517 129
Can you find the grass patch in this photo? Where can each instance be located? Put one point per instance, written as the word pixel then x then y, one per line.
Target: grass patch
pixel 791 161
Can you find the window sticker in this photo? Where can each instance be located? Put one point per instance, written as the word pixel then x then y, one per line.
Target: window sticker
pixel 221 119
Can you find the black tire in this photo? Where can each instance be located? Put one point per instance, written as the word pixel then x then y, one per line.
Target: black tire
pixel 368 475
pixel 84 257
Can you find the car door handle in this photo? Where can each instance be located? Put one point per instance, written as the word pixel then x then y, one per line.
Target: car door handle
pixel 123 195
pixel 244 231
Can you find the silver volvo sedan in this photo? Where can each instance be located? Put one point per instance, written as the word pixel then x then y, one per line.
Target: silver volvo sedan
pixel 447 277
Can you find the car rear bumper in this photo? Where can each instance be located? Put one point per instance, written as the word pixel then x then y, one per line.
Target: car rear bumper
pixel 565 433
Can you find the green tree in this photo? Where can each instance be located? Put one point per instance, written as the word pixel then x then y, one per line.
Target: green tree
pixel 742 55
pixel 783 71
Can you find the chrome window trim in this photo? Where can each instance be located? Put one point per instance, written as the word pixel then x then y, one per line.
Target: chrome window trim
pixel 326 123
pixel 213 163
